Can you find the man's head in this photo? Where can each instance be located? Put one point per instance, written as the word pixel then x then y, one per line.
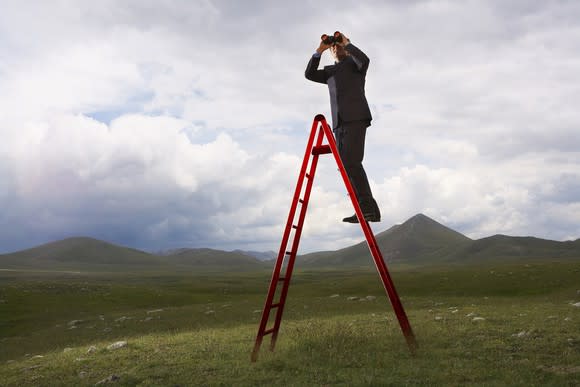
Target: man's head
pixel 338 52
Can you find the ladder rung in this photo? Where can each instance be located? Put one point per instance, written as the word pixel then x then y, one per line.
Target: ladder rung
pixel 322 149
pixel 307 176
pixel 268 332
pixel 275 305
pixel 295 226
pixel 289 253
pixel 301 201
pixel 282 279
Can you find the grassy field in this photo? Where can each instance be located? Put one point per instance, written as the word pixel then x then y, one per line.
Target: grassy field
pixel 511 324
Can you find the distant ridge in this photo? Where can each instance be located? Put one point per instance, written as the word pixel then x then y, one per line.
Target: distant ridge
pixel 78 252
pixel 422 240
pixel 508 247
pixel 88 254
pixel 418 241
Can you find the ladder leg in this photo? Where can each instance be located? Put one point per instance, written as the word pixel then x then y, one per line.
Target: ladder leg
pixel 393 296
pixel 282 253
pixel 374 249
pixel 296 242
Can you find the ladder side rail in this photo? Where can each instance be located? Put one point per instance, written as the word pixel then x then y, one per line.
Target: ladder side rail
pixel 295 200
pixel 296 241
pixel 281 253
pixel 394 297
pixel 373 247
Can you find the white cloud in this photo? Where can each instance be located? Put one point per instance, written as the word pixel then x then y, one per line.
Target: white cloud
pixel 181 123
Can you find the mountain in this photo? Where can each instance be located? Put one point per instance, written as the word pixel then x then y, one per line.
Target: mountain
pixel 418 239
pixel 423 240
pixel 78 253
pixel 88 254
pixel 503 247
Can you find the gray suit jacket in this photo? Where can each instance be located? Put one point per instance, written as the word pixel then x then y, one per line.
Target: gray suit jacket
pixel 346 84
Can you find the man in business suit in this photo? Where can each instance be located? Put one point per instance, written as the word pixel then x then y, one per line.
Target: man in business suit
pixel 351 115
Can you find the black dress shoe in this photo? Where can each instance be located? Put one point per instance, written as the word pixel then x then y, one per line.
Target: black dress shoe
pixel 369 217
pixel 351 219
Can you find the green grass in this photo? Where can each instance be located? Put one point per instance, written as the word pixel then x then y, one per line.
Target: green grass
pixel 206 331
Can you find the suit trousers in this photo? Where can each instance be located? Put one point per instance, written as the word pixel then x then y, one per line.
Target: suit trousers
pixel 350 140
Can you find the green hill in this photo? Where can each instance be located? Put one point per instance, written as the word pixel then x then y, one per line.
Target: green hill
pixel 502 247
pixel 422 240
pixel 419 239
pixel 88 254
pixel 79 253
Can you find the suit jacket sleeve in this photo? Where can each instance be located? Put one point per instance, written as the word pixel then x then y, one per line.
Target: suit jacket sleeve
pixel 312 73
pixel 359 57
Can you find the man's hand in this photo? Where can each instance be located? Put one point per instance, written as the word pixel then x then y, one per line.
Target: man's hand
pixel 323 47
pixel 344 41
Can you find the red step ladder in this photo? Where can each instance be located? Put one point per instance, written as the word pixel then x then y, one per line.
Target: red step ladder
pixel 294 225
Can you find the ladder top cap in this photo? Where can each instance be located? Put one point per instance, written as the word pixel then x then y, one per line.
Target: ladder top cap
pixel 319 117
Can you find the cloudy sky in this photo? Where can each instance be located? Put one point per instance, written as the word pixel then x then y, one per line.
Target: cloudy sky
pixel 162 124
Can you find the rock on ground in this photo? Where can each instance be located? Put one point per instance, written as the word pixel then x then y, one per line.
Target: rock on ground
pixel 117 345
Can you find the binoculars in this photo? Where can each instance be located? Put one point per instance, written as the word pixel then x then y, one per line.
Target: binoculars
pixel 336 38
